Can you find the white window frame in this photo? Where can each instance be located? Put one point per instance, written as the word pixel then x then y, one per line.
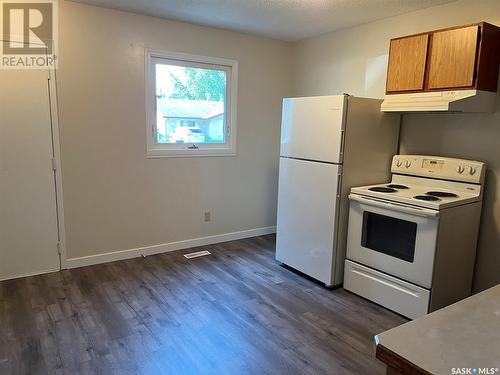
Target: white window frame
pixel 156 150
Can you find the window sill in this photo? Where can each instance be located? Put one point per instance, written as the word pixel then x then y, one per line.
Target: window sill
pixel 158 154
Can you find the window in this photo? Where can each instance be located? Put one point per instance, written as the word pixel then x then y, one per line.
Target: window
pixel 191 105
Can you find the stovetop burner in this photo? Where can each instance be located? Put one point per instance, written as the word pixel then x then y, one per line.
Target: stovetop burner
pixel 382 189
pixel 396 186
pixel 427 198
pixel 442 194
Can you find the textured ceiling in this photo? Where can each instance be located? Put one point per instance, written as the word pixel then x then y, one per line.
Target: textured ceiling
pixel 290 20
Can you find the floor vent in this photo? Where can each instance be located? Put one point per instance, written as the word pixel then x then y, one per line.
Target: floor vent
pixel 197 254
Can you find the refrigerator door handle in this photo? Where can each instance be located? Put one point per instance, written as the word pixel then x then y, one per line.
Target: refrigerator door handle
pixel 342 143
pixel 339 184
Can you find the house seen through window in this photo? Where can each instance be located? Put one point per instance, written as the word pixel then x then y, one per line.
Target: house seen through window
pixel 193 107
pixel 190 104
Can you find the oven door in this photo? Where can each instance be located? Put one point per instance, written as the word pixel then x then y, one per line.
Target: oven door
pixel 394 238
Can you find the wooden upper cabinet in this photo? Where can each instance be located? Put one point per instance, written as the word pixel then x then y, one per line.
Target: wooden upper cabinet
pixel 452 58
pixel 458 58
pixel 407 57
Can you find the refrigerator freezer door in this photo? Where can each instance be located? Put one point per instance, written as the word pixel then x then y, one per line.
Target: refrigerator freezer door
pixel 312 128
pixel 307 217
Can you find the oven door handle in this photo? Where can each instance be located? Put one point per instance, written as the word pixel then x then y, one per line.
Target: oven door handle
pixel 418 211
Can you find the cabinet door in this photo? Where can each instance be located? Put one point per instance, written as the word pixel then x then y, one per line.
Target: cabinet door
pixel 453 58
pixel 407 58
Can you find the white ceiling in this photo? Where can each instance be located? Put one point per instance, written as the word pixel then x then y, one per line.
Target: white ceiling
pixel 289 20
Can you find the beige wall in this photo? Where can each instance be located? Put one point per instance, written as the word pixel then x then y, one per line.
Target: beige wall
pixel 355 60
pixel 115 198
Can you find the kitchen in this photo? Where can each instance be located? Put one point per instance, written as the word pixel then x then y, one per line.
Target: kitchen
pixel 115 205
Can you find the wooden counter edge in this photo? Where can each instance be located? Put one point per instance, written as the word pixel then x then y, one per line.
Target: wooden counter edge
pixel 397 365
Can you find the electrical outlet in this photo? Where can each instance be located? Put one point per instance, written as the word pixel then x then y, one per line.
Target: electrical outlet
pixel 207 216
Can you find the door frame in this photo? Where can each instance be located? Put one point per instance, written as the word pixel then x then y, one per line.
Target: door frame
pixel 56 149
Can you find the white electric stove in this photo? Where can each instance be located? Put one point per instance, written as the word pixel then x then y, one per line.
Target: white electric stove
pixel 412 241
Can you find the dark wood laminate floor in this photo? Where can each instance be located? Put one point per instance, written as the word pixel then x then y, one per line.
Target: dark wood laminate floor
pixel 234 312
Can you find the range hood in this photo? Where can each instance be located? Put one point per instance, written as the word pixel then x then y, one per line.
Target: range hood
pixel 441 101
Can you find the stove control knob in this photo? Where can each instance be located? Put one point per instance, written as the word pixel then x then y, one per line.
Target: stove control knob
pixel 399 163
pixel 460 169
pixel 407 163
pixel 472 171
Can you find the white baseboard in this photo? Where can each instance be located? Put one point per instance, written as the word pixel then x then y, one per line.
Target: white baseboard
pixel 50 270
pixel 166 247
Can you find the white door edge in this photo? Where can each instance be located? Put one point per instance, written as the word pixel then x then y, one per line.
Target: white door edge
pixel 54 110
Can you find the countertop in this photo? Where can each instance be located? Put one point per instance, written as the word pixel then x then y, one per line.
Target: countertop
pixel 465 335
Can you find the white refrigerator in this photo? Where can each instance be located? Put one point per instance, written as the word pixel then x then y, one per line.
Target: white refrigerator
pixel 328 145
